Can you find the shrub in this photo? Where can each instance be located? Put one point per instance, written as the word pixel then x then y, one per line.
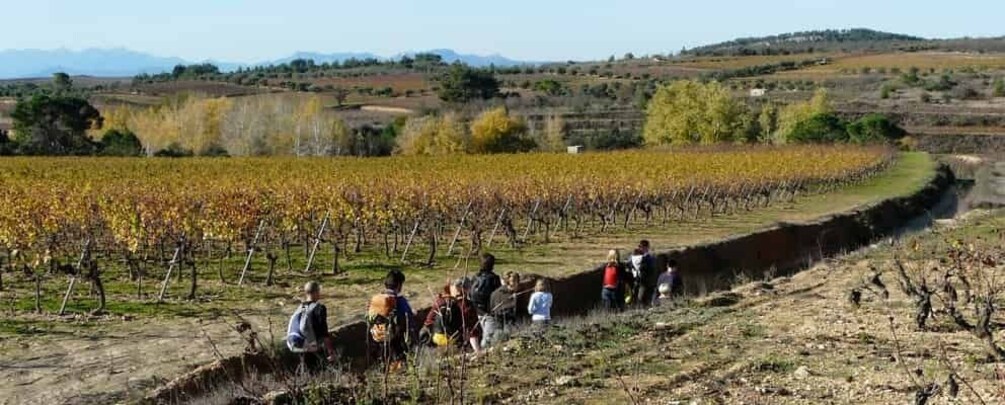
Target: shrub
pixel 820 128
pixel 174 150
pixel 120 143
pixel 874 128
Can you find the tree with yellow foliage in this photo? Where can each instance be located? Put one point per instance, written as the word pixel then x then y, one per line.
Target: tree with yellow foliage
pixel 686 112
pixel 494 131
pixel 553 139
pixel 432 135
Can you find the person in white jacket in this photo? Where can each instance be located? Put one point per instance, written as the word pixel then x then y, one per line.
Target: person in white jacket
pixel 539 307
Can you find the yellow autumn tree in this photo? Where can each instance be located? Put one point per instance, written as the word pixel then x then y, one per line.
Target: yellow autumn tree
pixel 553 138
pixel 494 131
pixel 432 135
pixel 686 112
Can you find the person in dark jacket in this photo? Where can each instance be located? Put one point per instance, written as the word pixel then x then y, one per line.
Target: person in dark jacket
pixel 670 284
pixel 485 283
pixel 645 281
pixel 504 312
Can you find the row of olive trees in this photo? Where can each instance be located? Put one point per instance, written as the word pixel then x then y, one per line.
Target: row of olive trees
pixel 689 112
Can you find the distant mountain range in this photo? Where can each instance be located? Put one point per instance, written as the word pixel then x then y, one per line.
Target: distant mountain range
pixel 118 62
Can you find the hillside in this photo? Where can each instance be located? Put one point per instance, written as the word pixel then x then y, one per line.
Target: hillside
pixel 844 41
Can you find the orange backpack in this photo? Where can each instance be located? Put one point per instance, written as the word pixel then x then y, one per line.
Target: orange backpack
pixel 382 317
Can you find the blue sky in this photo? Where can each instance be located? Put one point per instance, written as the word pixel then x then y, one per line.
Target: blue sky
pixel 256 30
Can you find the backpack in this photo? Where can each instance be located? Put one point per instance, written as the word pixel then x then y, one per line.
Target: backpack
pixel 300 335
pixel 481 292
pixel 449 319
pixel 382 317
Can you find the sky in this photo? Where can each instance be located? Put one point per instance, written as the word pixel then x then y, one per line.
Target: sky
pixel 249 31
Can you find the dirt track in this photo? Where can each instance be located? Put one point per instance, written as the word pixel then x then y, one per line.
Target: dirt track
pixel 110 365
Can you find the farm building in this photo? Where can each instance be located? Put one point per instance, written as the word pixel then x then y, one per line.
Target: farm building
pixel 757 92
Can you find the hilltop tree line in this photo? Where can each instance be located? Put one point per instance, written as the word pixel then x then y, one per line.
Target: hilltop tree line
pixel 296 68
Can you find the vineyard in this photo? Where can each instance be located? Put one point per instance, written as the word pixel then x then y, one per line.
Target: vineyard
pixel 152 220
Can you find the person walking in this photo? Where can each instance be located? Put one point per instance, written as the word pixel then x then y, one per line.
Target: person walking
pixel 453 319
pixel 670 284
pixel 485 283
pixel 503 304
pixel 614 282
pixel 391 322
pixel 307 332
pixel 645 279
pixel 539 306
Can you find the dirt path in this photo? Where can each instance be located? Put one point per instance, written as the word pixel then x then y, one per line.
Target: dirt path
pixel 109 364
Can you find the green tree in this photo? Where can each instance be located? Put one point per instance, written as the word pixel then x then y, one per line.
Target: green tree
pixel 494 131
pixel 794 113
pixel 767 120
pixel 461 84
pixel 120 143
pixel 54 125
pixel 687 112
pixel 820 128
pixel 874 128
pixel 61 82
pixel 6 145
pixel 998 88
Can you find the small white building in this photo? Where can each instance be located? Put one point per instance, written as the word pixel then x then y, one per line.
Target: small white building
pixel 574 149
pixel 757 92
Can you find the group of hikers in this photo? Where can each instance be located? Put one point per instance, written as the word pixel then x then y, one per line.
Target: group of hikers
pixel 473 313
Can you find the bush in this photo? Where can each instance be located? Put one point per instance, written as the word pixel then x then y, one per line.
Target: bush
pixel 820 128
pixel 966 93
pixel 874 128
pixel 174 150
pixel 120 143
pixel 214 150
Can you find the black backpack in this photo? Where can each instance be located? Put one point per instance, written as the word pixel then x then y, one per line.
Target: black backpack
pixel 449 319
pixel 481 292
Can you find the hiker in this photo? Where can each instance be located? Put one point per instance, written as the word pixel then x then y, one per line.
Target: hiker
pixel 539 306
pixel 453 320
pixel 308 326
pixel 646 274
pixel 615 280
pixel 636 264
pixel 670 282
pixel 663 297
pixel 503 304
pixel 390 321
pixel 486 282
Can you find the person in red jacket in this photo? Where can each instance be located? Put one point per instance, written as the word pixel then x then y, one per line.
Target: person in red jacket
pixel 616 278
pixel 453 319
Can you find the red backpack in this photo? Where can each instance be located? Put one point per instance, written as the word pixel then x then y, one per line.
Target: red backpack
pixel 612 276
